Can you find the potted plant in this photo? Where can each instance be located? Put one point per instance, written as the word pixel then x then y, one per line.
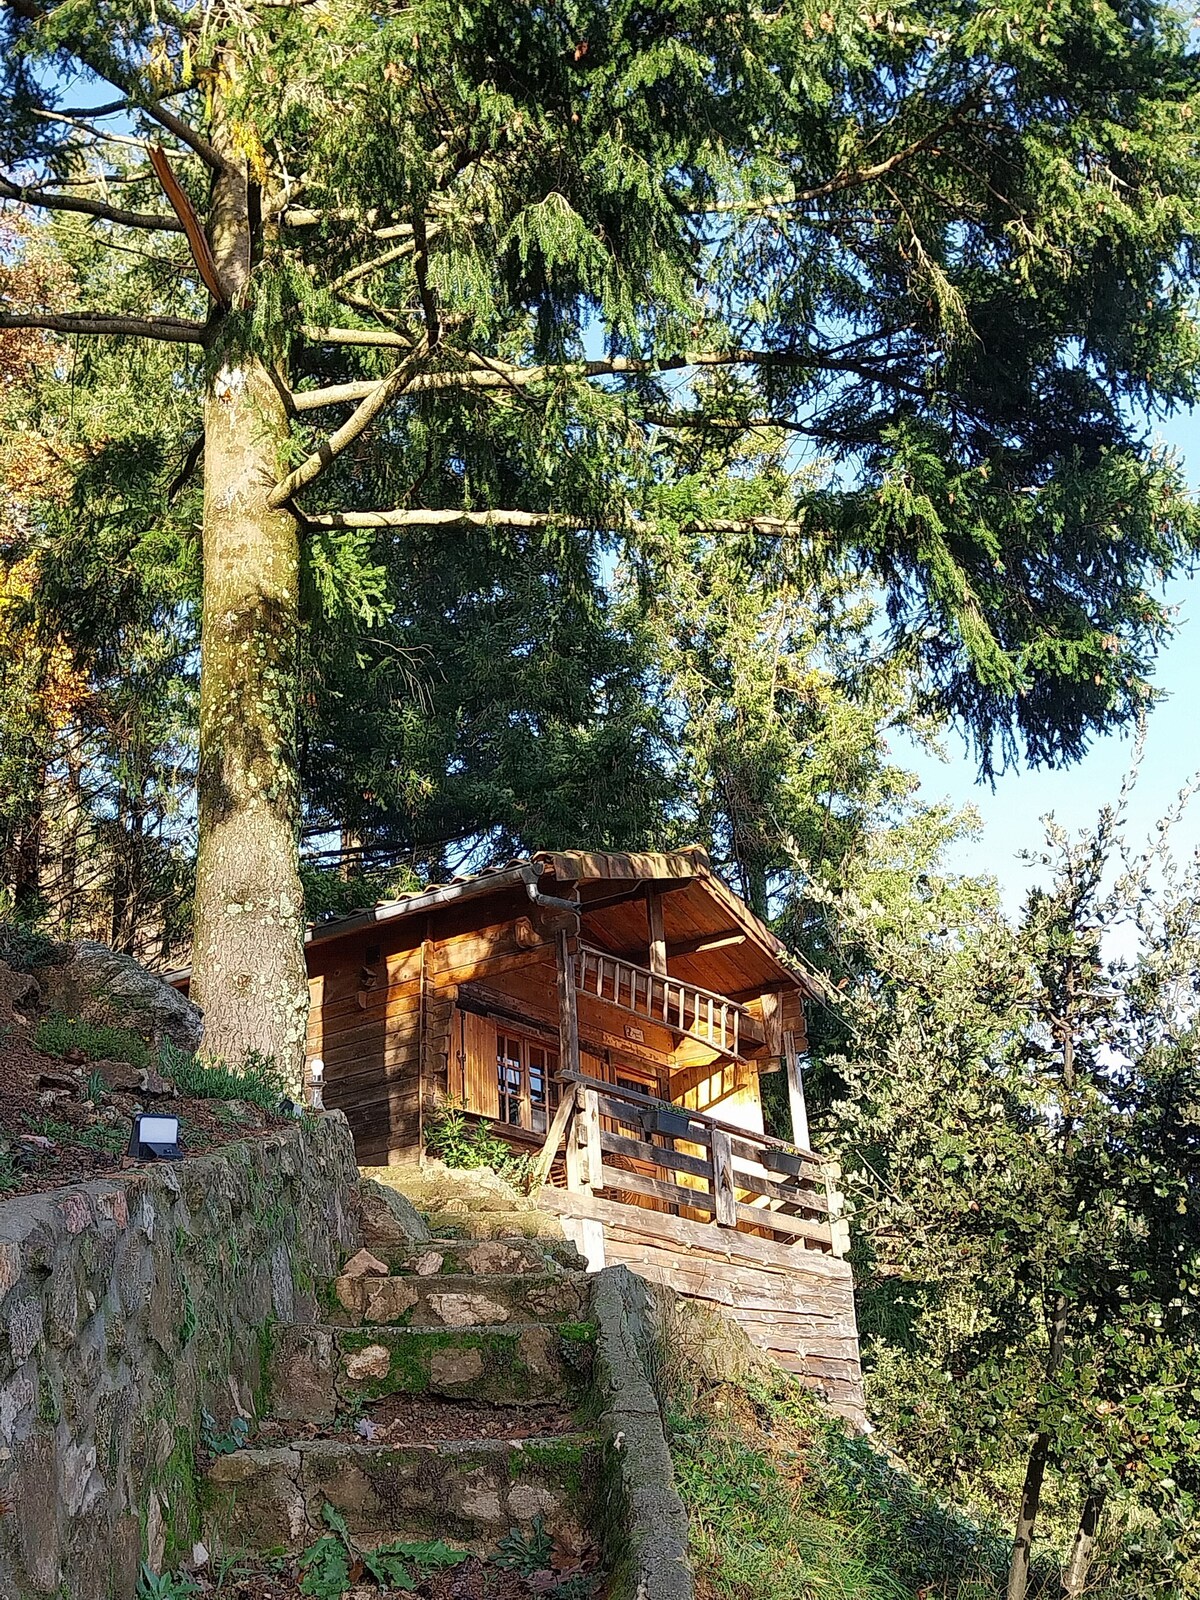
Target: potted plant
pixel 776 1159
pixel 671 1122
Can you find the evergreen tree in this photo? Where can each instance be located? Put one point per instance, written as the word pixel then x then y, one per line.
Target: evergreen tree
pixel 507 246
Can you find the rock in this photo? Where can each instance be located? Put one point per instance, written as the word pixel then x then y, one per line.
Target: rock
pixel 450 1368
pixel 19 995
pixel 374 1361
pixel 118 1076
pixel 428 1264
pixel 390 1300
pixel 56 1080
pixel 388 1217
pixel 467 1310
pixel 360 1265
pixel 102 986
pixel 154 1086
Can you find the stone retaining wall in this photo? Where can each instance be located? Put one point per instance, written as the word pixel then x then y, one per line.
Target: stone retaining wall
pixel 130 1307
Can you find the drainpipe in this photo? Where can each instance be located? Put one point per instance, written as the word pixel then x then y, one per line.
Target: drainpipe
pixel 547 902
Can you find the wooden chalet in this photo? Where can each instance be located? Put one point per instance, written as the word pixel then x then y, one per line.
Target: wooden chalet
pixel 611 1015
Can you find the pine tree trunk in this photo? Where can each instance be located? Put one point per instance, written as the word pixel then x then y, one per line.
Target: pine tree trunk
pixel 1076 1575
pixel 248 930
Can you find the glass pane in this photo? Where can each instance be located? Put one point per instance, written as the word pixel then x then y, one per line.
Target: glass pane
pixel 508 1066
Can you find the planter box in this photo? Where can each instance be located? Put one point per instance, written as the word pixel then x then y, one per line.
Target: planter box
pixel 670 1124
pixel 783 1161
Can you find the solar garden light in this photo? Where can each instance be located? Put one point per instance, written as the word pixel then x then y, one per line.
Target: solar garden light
pixel 316 1083
pixel 155 1138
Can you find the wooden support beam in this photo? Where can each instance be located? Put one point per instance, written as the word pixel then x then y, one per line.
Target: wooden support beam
pixel 658 937
pixel 544 1160
pixel 568 1009
pixel 795 1082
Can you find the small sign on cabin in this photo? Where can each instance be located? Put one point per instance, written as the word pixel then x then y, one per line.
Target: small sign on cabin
pixel 632 1031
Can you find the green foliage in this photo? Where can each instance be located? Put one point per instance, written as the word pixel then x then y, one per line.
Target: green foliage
pixel 397 1564
pixel 330 892
pixel 782 1501
pixel 460 1140
pixel 10 1177
pixel 24 946
pixel 257 1080
pixel 164 1586
pixel 525 1553
pixel 57 1034
pixel 223 1444
pixel 1019 1133
pixel 105 1138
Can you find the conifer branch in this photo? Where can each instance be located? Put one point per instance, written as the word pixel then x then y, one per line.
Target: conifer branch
pixel 460 521
pixel 329 449
pixel 489 373
pixel 170 330
pixel 54 200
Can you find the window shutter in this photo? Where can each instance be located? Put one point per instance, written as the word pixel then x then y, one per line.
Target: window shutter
pixel 479 1045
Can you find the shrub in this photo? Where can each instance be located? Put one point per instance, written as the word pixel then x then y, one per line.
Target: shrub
pixel 24 946
pixel 452 1137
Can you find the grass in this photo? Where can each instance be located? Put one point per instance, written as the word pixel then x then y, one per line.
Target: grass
pixel 57 1034
pixel 258 1080
pixel 784 1504
pixel 105 1138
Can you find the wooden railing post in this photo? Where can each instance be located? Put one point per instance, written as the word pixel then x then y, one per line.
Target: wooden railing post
pixel 839 1228
pixel 589 1120
pixel 795 1083
pixel 575 1156
pixel 724 1197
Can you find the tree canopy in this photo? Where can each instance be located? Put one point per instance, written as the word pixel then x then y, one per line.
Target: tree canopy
pixel 520 278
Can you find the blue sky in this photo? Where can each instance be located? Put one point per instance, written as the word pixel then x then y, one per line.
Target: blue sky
pixel 1011 812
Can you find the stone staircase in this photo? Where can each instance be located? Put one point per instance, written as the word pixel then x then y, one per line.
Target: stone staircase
pixel 445 1395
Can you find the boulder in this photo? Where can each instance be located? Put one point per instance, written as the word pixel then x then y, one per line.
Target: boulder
pixel 103 986
pixel 19 995
pixel 388 1217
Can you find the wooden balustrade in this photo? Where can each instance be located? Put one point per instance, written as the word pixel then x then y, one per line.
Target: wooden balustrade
pixel 684 1007
pixel 622 1143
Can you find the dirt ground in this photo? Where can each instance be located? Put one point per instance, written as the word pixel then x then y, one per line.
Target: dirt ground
pixel 62 1121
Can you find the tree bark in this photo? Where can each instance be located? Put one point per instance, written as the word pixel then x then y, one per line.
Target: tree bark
pixel 248 944
pixel 249 972
pixel 1076 1576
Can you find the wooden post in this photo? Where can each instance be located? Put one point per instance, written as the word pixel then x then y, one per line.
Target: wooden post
pixel 568 1011
pixel 839 1228
pixel 658 936
pixel 576 1171
pixel 589 1123
pixel 724 1198
pixel 795 1081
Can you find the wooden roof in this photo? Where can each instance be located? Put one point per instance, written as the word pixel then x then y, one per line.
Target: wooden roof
pixel 713 938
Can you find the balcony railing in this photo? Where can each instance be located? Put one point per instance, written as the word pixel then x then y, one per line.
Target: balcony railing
pixel 683 1007
pixel 628 1146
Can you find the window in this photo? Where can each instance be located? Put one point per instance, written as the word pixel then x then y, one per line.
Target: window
pixel 525 1076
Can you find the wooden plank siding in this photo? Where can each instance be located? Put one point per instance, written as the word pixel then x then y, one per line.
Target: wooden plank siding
pixel 793 1303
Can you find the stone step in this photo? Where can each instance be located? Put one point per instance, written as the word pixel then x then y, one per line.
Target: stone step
pixel 468 1493
pixel 317 1372
pixel 484 1257
pixel 460 1300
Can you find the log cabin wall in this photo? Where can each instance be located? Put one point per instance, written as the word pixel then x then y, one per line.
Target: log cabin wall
pixel 407 1013
pixel 364 1022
